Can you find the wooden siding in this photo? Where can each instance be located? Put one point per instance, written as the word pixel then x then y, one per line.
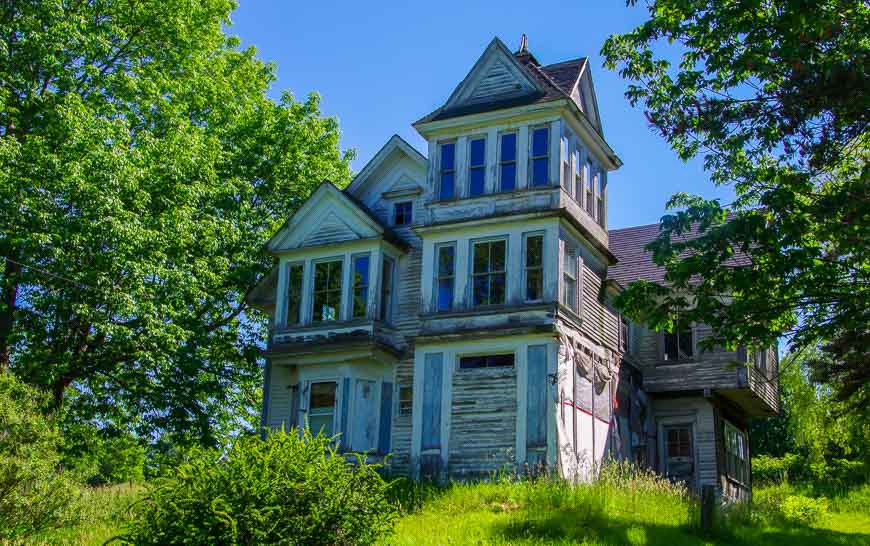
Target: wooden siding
pixel 698 412
pixel 498 82
pixel 483 421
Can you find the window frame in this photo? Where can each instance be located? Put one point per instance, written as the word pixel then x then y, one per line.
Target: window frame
pixel 442 171
pixel 567 182
pixel 472 275
pixel 479 168
pixel 533 157
pixel 388 289
pixel 405 408
pixel 526 267
pixel 437 269
pixel 287 288
pixel 334 413
pixel 314 291
pixel 502 162
pixel 486 356
pixel 575 305
pixel 600 184
pixel 578 176
pixel 589 188
pixel 736 449
pixel 410 213
pixel 663 350
pixel 353 286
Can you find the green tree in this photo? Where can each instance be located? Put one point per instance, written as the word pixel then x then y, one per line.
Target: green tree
pixel 142 167
pixel 774 97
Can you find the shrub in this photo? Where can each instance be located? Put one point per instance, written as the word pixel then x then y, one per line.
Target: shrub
pixel 767 469
pixel 285 489
pixel 34 494
pixel 99 458
pixel 804 510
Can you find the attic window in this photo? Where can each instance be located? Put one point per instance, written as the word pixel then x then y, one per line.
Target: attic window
pixel 403 213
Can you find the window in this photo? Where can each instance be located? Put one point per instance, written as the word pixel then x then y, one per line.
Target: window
pixel 567 182
pixel 679 442
pixel 448 171
pixel 623 334
pixel 321 408
pixel 403 213
pixel 678 345
pixel 736 455
pixel 569 278
pixel 486 361
pixel 578 177
pixel 508 162
pixel 294 293
pixel 445 276
pixel 476 167
pixel 534 267
pixel 540 157
pixel 387 289
pixel 406 399
pixel 327 290
pixel 599 196
pixel 360 286
pixel 488 273
pixel 588 176
pixel 760 361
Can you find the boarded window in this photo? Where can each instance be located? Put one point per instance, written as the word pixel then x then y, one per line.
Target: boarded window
pixel 486 361
pixel 476 167
pixel 540 157
pixel 488 273
pixel 327 290
pixel 447 184
pixel 508 162
pixel 294 294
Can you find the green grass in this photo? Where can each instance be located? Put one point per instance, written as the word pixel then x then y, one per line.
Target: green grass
pixel 632 510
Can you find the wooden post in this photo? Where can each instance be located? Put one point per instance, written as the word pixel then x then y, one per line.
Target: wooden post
pixel 708 504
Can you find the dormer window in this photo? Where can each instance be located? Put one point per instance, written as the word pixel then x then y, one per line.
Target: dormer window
pixel 508 162
pixel 403 213
pixel 540 157
pixel 476 167
pixel 327 290
pixel 447 185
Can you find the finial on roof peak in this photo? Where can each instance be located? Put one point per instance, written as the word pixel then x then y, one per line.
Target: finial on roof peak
pixel 524 44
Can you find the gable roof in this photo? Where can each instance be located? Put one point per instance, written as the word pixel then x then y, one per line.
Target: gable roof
pixel 393 145
pixel 352 206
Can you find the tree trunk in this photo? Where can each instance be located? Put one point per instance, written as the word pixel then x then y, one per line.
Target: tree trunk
pixel 8 298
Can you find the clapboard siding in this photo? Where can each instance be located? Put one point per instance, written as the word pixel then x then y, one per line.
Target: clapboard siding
pixel 700 413
pixel 279 398
pixel 483 421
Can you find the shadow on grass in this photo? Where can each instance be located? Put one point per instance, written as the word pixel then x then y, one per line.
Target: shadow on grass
pixel 577 526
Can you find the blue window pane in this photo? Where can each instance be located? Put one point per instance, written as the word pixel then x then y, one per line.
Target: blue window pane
pixel 478 152
pixel 448 154
pixel 361 270
pixel 477 180
pixel 540 141
pixel 445 294
pixel 509 177
pixel 445 261
pixel 540 174
pixel 509 147
pixel 481 290
pixel 446 186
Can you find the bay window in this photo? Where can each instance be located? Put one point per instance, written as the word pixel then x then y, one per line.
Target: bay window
pixel 488 272
pixel 294 293
pixel 534 267
pixel 508 162
pixel 360 286
pixel 569 278
pixel 327 290
pixel 445 277
pixel 447 185
pixel 387 272
pixel 476 167
pixel 540 157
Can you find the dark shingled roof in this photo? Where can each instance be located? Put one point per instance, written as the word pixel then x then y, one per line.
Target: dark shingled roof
pixel 565 74
pixel 635 263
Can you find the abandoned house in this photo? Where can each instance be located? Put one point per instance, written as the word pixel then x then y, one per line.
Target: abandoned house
pixel 453 309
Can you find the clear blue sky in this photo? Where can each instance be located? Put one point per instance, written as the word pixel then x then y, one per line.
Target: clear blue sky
pixel 379 66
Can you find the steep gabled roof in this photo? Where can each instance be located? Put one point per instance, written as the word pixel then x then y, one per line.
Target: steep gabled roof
pixel 394 145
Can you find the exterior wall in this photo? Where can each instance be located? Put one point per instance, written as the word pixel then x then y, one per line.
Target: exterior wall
pixel 699 413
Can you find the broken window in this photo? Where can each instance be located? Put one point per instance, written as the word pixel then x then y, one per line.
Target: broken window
pixel 488 273
pixel 486 361
pixel 476 167
pixel 679 345
pixel 327 290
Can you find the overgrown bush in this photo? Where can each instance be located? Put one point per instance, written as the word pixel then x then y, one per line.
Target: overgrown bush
pixel 804 510
pixel 34 494
pixel 766 469
pixel 285 489
pixel 99 457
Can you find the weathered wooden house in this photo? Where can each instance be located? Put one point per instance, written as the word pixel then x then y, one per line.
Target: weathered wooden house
pixel 453 309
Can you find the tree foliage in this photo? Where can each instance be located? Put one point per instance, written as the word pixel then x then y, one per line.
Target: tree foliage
pixel 775 97
pixel 286 489
pixel 142 168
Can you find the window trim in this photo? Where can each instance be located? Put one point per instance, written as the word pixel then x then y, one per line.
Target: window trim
pixel 442 171
pixel 353 287
pixel 438 277
pixel 471 275
pixel 410 215
pixel 340 306
pixel 502 162
pixel 286 318
pixel 526 236
pixel 481 167
pixel 533 157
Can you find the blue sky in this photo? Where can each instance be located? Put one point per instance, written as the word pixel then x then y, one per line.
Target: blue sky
pixel 379 66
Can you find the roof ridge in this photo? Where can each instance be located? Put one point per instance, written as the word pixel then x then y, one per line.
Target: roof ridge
pixel 634 227
pixel 578 59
